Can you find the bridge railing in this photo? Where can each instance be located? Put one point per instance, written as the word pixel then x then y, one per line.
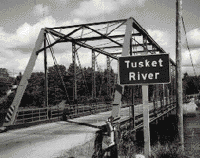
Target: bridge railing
pixel 56 112
pixel 77 110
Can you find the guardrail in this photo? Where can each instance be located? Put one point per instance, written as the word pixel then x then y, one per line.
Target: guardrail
pixel 162 109
pixel 72 111
pixel 56 113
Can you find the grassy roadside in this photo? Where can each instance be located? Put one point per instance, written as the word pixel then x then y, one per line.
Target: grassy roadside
pixel 82 151
pixel 86 150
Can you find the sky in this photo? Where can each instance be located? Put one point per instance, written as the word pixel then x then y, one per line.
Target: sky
pixel 21 21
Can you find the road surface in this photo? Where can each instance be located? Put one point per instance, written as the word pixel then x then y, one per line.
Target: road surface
pixel 52 139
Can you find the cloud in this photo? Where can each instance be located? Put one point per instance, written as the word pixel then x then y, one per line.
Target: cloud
pixel 94 8
pixel 40 10
pixel 195 57
pixel 187 63
pixel 15 48
pixel 161 37
pixel 193 37
pixel 165 40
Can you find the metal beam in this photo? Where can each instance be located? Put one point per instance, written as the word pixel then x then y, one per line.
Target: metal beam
pixel 46 74
pixel 90 24
pixel 105 36
pixel 108 76
pixel 112 47
pixel 93 75
pixel 27 73
pixel 144 32
pixel 75 80
pixel 61 35
pixel 100 37
pixel 142 51
pixel 119 89
pixel 57 41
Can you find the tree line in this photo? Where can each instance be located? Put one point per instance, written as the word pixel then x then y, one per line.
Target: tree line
pixel 35 92
pixel 60 77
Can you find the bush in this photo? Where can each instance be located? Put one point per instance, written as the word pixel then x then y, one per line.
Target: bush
pixel 167 151
pixel 107 99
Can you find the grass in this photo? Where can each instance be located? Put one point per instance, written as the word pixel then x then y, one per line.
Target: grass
pixel 82 151
pixel 127 150
pixel 129 146
pixel 166 151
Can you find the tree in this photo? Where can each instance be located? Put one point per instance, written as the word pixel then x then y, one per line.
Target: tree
pixel 34 93
pixel 190 84
pixel 4 72
pixel 18 79
pixel 56 90
pixel 5 81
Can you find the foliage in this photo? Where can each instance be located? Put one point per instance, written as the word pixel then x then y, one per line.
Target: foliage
pixel 34 93
pixel 5 81
pixel 56 89
pixel 190 84
pixel 4 72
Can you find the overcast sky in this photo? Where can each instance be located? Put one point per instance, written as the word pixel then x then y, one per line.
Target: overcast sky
pixel 21 21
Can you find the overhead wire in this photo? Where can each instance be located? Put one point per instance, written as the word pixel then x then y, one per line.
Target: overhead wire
pixel 195 82
pixel 188 47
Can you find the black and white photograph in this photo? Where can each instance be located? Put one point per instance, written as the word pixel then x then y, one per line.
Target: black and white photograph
pixel 99 79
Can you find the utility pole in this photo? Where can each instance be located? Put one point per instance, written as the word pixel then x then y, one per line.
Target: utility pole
pixel 179 110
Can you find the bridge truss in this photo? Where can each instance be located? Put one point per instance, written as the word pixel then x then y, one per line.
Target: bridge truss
pixel 111 38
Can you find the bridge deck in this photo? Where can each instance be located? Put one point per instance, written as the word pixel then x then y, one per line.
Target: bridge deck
pixel 52 139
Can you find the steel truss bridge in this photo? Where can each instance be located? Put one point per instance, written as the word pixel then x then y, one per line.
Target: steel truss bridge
pixel 113 39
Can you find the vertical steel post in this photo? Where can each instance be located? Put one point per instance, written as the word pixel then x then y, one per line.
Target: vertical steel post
pixel 132 92
pixel 163 98
pixel 108 76
pixel 75 80
pixel 119 89
pixel 145 96
pixel 156 91
pixel 46 75
pixel 179 73
pixel 93 75
pixel 132 108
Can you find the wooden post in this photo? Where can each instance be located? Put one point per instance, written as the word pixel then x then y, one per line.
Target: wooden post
pixel 179 73
pixel 145 96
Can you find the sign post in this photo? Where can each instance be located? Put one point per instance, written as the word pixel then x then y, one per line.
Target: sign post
pixel 144 70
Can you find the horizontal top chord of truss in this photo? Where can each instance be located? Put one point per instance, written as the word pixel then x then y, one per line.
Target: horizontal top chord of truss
pixel 106 38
